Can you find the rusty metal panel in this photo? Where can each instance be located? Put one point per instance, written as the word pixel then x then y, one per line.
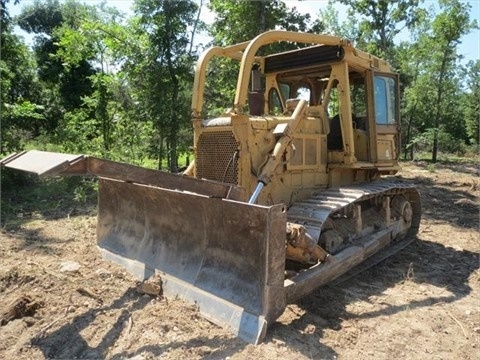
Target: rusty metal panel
pixel 226 256
pixel 41 162
pixel 50 164
pixel 131 173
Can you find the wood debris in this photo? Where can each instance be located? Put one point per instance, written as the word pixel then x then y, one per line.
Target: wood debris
pixel 152 286
pixel 23 306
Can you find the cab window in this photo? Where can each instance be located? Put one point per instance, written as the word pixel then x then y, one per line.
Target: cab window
pixel 385 101
pixel 284 90
pixel 303 93
pixel 274 103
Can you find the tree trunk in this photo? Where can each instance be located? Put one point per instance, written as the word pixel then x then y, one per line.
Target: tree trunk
pixel 409 130
pixel 102 113
pixel 435 144
pixel 410 119
pixel 195 25
pixel 174 113
pixel 438 113
pixel 160 150
pixel 173 152
pixel 262 16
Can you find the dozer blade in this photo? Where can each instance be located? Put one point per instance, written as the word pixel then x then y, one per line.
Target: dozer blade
pixel 226 256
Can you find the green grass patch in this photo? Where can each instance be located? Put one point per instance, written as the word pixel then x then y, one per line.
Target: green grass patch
pixel 446 158
pixel 25 197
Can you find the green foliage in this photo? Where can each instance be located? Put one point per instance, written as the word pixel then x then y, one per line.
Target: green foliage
pixel 85 190
pixel 470 102
pixel 447 143
pixel 119 88
pixel 435 104
pixel 160 71
pixel 237 21
pixel 22 114
pixel 431 168
pixel 380 21
pixel 20 122
pixel 78 133
pixel 471 158
pixel 112 89
pixel 61 87
pixel 221 82
pixel 442 41
pixel 328 20
pixel 26 196
pixel 5 18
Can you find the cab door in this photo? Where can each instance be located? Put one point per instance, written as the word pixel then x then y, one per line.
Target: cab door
pixel 386 116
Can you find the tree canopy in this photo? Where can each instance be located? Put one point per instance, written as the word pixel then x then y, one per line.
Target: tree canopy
pixel 96 81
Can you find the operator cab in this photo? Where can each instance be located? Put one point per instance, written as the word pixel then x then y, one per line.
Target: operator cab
pixel 359 104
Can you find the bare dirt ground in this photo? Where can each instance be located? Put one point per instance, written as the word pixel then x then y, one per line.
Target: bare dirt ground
pixel 422 303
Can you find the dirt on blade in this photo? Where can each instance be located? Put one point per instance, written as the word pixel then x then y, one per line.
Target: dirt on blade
pixel 420 303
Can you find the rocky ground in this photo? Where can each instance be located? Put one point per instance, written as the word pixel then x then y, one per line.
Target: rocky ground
pixel 422 303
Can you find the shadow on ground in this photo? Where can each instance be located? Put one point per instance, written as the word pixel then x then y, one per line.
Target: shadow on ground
pixel 451 203
pixel 25 197
pixel 34 240
pixel 423 262
pixel 326 308
pixel 68 343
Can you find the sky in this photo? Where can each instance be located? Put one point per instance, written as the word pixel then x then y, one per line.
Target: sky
pixel 469 47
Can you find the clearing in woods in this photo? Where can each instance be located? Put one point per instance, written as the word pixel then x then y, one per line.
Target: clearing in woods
pixel 420 303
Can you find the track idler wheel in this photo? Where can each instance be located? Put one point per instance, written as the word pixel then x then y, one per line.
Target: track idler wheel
pixel 331 241
pixel 402 208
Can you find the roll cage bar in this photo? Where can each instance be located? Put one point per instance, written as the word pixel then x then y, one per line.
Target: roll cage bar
pixel 245 52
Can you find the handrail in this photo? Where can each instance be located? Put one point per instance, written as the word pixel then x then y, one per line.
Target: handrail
pixel 268 38
pixel 246 52
pixel 233 52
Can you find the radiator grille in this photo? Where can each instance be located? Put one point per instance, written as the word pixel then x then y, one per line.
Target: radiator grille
pixel 217 157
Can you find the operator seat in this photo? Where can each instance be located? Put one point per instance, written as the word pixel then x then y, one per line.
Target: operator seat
pixel 334 137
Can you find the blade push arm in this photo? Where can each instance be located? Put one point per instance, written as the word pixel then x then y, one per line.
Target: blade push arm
pixel 286 132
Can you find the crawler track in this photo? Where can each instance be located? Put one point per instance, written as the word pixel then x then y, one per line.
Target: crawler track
pixel 313 212
pixel 361 249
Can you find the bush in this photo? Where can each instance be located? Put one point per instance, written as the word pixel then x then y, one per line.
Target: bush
pixel 446 142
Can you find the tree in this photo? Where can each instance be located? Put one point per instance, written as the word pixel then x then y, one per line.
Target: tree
pixel 328 20
pixel 470 103
pixel 160 70
pixel 447 29
pixel 67 86
pixel 434 91
pixel 410 57
pixel 22 115
pixel 239 21
pixel 97 39
pixel 381 21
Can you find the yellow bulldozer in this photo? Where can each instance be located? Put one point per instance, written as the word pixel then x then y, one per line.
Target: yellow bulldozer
pixel 285 193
